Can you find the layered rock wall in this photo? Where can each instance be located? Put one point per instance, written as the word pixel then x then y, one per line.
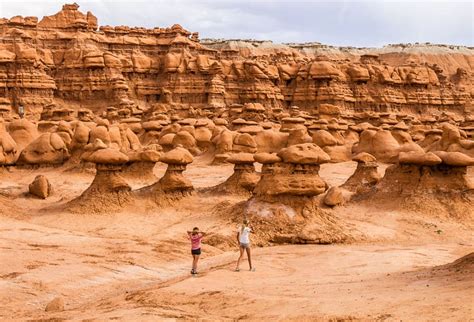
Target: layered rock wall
pixel 66 60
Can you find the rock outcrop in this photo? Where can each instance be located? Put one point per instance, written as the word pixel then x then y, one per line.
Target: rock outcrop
pixel 284 204
pixel 173 185
pixel 365 177
pixel 434 183
pixel 65 58
pixel 243 180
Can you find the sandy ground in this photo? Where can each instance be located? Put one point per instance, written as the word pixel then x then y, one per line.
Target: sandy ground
pixel 134 265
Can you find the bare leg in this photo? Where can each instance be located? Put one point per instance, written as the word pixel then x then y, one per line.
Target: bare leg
pixel 195 261
pixel 249 257
pixel 196 258
pixel 240 257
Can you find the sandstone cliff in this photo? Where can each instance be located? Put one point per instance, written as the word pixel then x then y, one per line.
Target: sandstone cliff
pixel 65 64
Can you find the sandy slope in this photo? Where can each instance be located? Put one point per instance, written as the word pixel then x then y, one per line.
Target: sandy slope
pixel 134 265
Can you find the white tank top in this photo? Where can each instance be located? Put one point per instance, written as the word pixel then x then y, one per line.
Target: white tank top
pixel 244 237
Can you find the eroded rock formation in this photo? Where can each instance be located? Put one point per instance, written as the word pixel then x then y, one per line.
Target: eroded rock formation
pixel 284 205
pixel 435 183
pixel 53 66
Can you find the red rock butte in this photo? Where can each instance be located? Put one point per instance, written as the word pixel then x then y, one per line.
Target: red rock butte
pixel 66 66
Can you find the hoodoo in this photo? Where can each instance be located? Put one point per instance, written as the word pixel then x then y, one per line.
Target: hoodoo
pixel 173 185
pixel 108 191
pixel 284 203
pixel 365 176
pixel 428 182
pixel 243 180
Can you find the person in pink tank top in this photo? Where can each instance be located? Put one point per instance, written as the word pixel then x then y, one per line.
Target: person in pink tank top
pixel 195 236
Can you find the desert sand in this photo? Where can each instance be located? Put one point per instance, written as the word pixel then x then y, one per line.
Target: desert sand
pixel 134 265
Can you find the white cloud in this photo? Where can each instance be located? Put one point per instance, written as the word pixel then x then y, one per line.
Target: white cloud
pixel 345 22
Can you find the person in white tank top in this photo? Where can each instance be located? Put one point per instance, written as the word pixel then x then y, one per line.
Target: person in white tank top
pixel 243 238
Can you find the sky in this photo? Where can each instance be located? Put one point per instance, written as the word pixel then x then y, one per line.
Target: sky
pixel 343 23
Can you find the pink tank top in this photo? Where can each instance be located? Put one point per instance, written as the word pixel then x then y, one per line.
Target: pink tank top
pixel 195 241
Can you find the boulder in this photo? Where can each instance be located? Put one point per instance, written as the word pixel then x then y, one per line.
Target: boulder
pixel 333 197
pixel 40 187
pixel 55 305
pixel 48 148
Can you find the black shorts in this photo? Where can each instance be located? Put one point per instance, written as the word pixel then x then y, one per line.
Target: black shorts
pixel 196 251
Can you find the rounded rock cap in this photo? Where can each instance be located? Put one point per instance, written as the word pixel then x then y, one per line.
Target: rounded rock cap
pixel 241 158
pixel 220 121
pixel 418 158
pixel 178 155
pixel 401 126
pixel 306 153
pixel 266 158
pixel 365 158
pixel 293 120
pixel 149 155
pixel 107 156
pixel 455 159
pixel 250 129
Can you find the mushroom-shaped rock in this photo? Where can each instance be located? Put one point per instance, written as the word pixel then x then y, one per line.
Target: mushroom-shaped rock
pixel 150 156
pixel 379 143
pixel 441 188
pixel 143 164
pixel 241 158
pixel 297 175
pixel 80 136
pixel 307 153
pixel 243 180
pixel 401 126
pixel 366 176
pixel 108 191
pixel 166 140
pixel 323 138
pixel 298 136
pixel 203 136
pixel 173 180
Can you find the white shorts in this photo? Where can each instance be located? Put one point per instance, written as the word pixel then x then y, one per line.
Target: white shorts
pixel 245 245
